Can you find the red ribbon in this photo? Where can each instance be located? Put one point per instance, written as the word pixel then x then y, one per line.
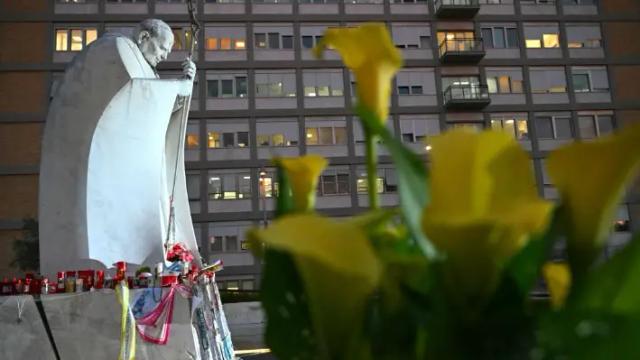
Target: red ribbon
pixel 160 317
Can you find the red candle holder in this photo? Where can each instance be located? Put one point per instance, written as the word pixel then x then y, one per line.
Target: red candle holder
pixel 99 279
pixel 121 270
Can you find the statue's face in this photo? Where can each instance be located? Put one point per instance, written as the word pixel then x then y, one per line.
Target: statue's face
pixel 155 48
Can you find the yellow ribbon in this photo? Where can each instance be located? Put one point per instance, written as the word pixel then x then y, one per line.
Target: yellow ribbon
pixel 127 325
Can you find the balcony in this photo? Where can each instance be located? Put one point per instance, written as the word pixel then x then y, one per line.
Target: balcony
pixel 461 51
pixel 457 9
pixel 466 97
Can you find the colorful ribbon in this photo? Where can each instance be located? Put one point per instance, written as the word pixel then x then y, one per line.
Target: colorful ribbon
pixel 155 326
pixel 127 333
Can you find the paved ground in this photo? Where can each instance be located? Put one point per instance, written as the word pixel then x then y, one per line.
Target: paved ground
pixel 246 323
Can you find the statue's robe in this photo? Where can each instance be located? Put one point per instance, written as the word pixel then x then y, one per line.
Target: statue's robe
pixel 108 160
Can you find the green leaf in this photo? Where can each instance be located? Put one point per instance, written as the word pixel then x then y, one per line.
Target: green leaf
pixel 573 334
pixel 339 270
pixel 289 331
pixel 614 285
pixel 523 270
pixel 284 200
pixel 412 179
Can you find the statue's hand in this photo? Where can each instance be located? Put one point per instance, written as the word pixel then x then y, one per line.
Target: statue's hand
pixel 189 69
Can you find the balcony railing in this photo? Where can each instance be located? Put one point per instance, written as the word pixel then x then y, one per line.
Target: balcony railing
pixel 461 50
pixel 457 8
pixel 471 96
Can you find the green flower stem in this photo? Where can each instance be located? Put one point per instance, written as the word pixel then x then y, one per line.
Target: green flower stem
pixel 372 165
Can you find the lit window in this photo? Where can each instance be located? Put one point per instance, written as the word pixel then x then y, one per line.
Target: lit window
pixel 212 43
pixel 550 40
pixel 515 126
pixel 239 44
pixel 213 140
pixel 92 35
pixel 76 40
pixel 232 286
pixel 192 141
pixel 225 44
pixel 61 40
pixel 533 43
pixel 312 136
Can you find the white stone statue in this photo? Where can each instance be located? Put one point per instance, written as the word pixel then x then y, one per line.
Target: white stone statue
pixel 109 152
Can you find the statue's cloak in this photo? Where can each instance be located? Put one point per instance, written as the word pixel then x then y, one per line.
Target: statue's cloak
pixel 108 162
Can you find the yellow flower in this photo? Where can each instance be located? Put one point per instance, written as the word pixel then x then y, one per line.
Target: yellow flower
pixel 558 279
pixel 339 270
pixel 369 52
pixel 303 173
pixel 591 178
pixel 484 206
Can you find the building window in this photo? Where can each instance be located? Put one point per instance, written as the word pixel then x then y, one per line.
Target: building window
pixel 515 125
pixel 277 133
pixel 74 39
pixel 226 237
pixel 329 135
pixel 417 130
pixel 584 36
pixel 219 38
pixel 272 40
pixel 218 140
pixel 334 182
pixel 229 186
pixel 546 80
pixel 323 83
pixel 276 84
pixel 553 127
pixel 541 36
pixel 500 37
pixel 309 41
pixel 386 181
pixel 407 36
pixel 590 79
pixel 594 125
pixel 227 86
pixel 268 184
pixel 182 38
pixel 193 136
pixel 416 82
pixel 248 285
pixel 504 80
pixel 457 40
pixel 193 185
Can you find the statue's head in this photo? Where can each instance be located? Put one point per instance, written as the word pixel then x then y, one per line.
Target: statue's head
pixel 155 40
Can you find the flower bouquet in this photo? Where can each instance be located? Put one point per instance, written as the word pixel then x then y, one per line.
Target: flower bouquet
pixel 448 274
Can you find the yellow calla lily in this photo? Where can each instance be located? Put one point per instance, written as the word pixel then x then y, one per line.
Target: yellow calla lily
pixel 369 52
pixel 591 178
pixel 339 270
pixel 558 279
pixel 303 173
pixel 484 206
